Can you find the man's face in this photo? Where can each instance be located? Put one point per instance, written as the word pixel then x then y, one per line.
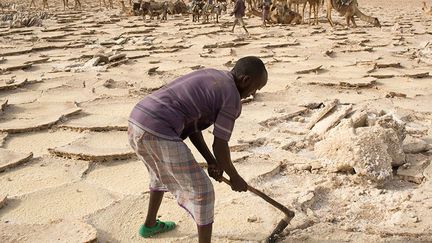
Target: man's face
pixel 253 85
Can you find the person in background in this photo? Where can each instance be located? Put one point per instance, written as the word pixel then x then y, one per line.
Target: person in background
pixel 265 11
pixel 239 13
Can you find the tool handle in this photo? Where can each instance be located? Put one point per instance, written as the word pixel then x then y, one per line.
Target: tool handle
pixel 285 210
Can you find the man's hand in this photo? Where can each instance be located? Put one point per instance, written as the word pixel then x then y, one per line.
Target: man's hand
pixel 238 184
pixel 215 172
pixel 213 169
pixel 223 158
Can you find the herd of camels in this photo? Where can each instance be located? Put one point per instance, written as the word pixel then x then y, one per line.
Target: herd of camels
pixel 281 11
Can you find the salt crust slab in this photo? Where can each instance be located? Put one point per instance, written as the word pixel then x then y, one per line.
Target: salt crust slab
pixel 3 137
pixel 41 173
pixel 98 146
pixel 10 159
pixel 65 231
pixel 35 116
pixel 103 114
pixel 66 202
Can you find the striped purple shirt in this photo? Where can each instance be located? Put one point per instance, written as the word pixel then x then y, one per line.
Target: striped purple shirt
pixel 189 104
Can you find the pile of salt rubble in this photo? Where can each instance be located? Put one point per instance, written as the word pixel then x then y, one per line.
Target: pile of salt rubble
pixel 371 144
pixel 425 52
pixel 23 19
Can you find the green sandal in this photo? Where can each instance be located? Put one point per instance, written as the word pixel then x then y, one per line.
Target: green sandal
pixel 160 227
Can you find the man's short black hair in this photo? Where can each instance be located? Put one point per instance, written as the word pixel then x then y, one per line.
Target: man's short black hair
pixel 251 66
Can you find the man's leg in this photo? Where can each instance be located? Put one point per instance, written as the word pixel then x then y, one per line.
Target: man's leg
pixel 205 233
pixel 235 22
pixel 153 208
pixel 244 26
pixel 247 32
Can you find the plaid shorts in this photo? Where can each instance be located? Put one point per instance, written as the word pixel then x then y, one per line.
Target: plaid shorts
pixel 173 168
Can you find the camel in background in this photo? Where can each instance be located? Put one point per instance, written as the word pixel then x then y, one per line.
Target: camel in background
pixel 314 5
pixel 280 14
pixel 77 4
pixel 426 10
pixel 349 9
pixel 44 3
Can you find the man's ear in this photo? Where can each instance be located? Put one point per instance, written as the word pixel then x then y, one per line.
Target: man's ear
pixel 245 80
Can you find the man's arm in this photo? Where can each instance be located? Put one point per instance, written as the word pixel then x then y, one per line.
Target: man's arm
pixel 223 157
pixel 214 170
pixel 197 140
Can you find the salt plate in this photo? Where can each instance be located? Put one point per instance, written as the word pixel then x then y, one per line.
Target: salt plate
pixel 65 231
pixel 102 115
pixel 14 85
pixel 414 170
pixel 35 116
pixel 70 201
pixel 3 104
pixel 10 159
pixel 3 137
pixel 3 200
pixel 41 173
pixel 103 146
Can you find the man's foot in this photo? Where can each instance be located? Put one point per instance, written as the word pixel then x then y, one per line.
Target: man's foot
pixel 160 227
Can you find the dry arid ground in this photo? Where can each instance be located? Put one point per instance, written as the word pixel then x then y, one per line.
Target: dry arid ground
pixel 341 134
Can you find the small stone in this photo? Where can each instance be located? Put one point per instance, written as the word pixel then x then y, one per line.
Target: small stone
pixel 311 214
pixel 428 172
pixel 413 173
pixel 361 192
pixel 92 62
pixel 152 71
pixel 406 166
pixel 306 198
pixel 3 200
pixel 121 41
pixel 392 94
pixel 252 219
pixel 330 219
pixel 307 167
pixel 109 83
pixel 359 119
pixel 329 52
pixel 414 145
pixel 316 166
